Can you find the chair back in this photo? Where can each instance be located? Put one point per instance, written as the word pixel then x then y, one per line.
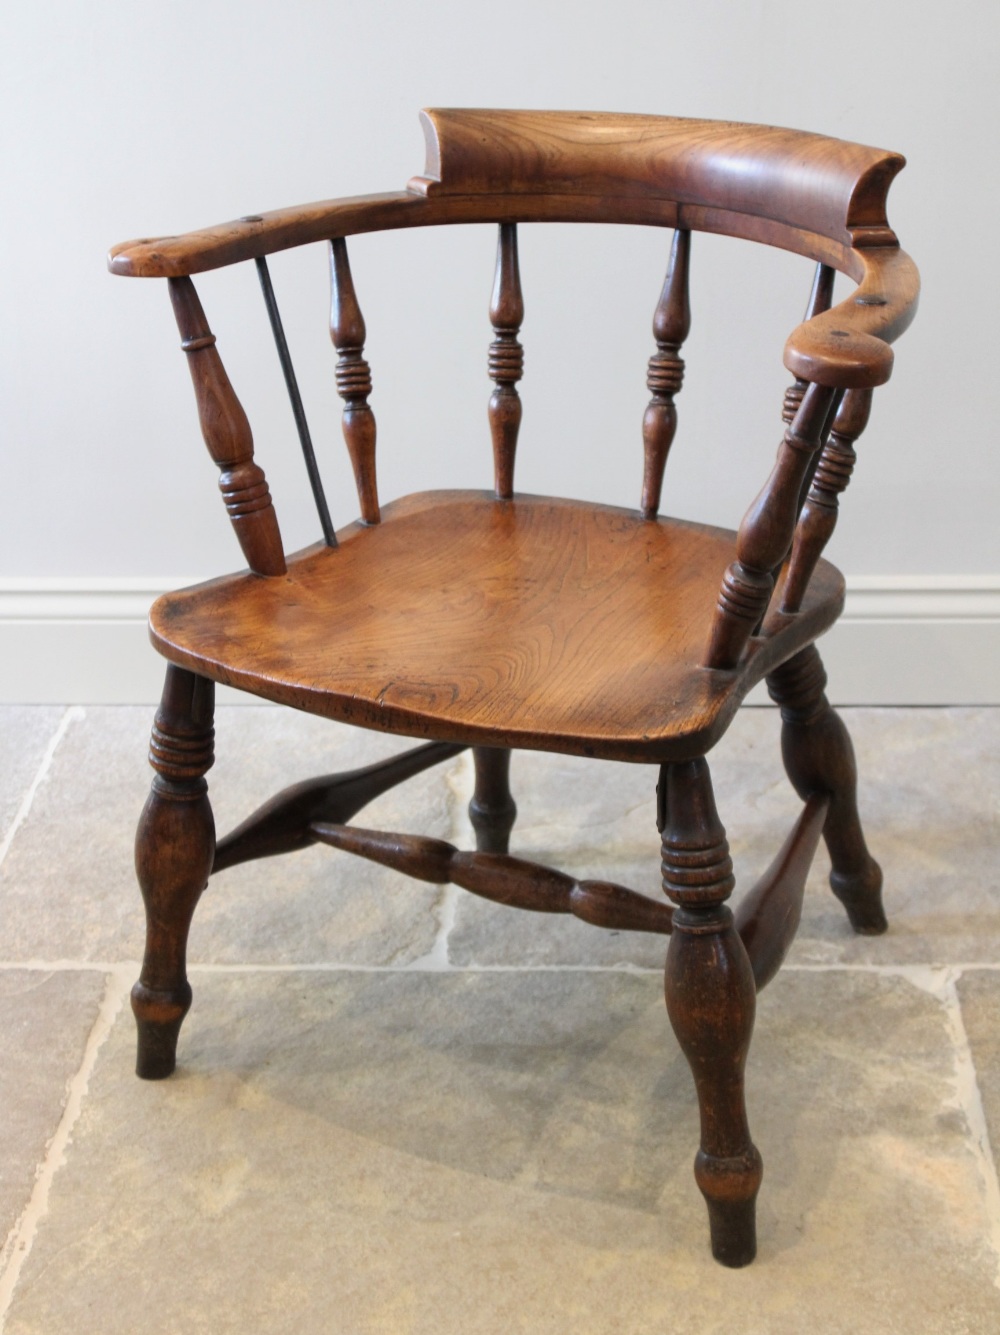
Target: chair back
pixel 815 196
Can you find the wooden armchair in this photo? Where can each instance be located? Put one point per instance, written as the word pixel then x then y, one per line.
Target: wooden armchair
pixel 497 621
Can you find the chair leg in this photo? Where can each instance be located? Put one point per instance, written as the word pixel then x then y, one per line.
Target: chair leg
pixel 819 758
pixel 492 809
pixel 711 999
pixel 174 849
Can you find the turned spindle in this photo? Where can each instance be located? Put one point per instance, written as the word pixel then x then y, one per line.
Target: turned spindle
pixel 766 534
pixel 711 1000
pixel 354 379
pixel 819 514
pixel 174 848
pixel 282 824
pixel 671 326
pixel 506 360
pixel 505 880
pixel 227 434
pixel 820 300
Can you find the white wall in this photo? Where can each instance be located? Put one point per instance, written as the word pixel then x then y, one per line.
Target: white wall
pixel 126 119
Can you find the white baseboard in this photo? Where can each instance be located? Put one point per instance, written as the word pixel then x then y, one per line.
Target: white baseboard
pixel 903 640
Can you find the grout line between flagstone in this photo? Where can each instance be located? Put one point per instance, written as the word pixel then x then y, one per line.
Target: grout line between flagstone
pixel 71 715
pixel 21 1239
pixel 921 974
pixel 970 1100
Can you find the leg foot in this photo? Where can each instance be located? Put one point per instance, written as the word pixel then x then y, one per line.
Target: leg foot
pixel 711 1000
pixel 174 848
pixel 732 1223
pixel 860 892
pixel 819 758
pixel 158 1019
pixel 492 809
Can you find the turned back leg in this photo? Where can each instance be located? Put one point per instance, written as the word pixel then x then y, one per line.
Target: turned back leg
pixel 711 1000
pixel 174 849
pixel 819 758
pixel 492 809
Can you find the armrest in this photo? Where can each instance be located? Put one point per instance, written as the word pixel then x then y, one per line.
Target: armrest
pixel 848 346
pixel 262 234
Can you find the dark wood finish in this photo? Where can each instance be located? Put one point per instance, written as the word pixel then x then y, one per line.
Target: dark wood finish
pixel 819 758
pixel 806 180
pixel 319 809
pixel 816 196
pixel 174 846
pixel 505 880
pixel 354 379
pixel 492 810
pixel 768 916
pixel 766 535
pixel 227 434
pixel 765 183
pixel 499 621
pixel 819 514
pixel 711 998
pixel 821 293
pixel 820 300
pixel 541 623
pixel 506 360
pixel 849 347
pixel 671 326
pixel 283 824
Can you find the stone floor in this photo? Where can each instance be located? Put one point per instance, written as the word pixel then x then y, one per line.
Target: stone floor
pixel 403 1109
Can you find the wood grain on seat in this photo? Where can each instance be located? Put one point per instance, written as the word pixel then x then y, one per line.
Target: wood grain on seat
pixel 533 622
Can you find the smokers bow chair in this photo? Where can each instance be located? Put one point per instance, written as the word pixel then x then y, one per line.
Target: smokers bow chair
pixel 495 620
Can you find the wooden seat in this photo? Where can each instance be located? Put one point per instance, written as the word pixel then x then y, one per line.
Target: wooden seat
pixel 532 622
pixel 498 620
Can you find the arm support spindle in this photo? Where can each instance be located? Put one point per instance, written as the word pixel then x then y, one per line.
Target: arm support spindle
pixel 227 434
pixel 820 300
pixel 766 534
pixel 819 514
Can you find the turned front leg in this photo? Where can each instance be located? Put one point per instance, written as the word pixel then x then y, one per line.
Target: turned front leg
pixel 819 758
pixel 711 999
pixel 492 809
pixel 174 848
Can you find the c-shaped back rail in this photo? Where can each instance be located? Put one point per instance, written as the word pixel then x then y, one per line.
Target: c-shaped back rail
pixel 807 193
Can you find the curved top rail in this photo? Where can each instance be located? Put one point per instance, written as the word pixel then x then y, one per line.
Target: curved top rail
pixel 808 181
pixel 820 197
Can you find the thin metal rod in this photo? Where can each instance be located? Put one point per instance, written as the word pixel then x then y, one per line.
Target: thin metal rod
pixel 295 398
